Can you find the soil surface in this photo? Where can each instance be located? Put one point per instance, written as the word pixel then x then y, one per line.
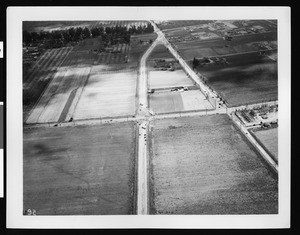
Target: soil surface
pixel 203 165
pixel 83 170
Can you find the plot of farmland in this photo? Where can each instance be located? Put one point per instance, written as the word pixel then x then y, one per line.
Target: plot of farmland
pixel 161 52
pixel 248 78
pixel 107 95
pixel 80 170
pixel 138 46
pixel 164 25
pixel 269 138
pixel 36 79
pixel 167 79
pixel 203 165
pixel 54 100
pixel 219 46
pixel 169 102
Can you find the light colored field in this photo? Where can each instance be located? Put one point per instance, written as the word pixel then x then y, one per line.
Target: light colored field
pixel 166 79
pixel 269 138
pixel 107 95
pixel 53 101
pixel 166 102
pixel 83 170
pixel 203 165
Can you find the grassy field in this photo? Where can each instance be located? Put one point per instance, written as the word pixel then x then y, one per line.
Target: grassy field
pixel 107 94
pixel 83 170
pixel 203 165
pixel 248 78
pixel 269 138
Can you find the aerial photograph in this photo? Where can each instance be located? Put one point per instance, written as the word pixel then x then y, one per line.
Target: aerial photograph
pixel 150 117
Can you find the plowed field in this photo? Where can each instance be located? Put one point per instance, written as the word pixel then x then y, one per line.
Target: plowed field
pixel 204 165
pixel 83 170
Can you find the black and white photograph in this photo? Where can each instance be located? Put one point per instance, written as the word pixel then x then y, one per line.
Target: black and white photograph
pixel 136 113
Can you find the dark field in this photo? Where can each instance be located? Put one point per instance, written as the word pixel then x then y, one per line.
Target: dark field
pixel 203 165
pixel 80 170
pixel 217 47
pixel 248 78
pixel 161 52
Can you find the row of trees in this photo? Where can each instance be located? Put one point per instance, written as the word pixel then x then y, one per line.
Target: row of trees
pixel 108 35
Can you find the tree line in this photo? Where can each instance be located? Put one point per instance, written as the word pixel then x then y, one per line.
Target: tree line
pixel 108 35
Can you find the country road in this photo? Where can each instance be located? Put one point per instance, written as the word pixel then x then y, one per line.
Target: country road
pixel 142 189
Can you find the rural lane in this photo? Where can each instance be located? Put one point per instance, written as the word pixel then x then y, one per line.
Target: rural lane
pixel 142 189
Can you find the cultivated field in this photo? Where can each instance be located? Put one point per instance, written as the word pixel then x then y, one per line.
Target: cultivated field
pixel 138 45
pixel 160 52
pixel 204 165
pixel 169 102
pixel 55 102
pixel 247 78
pixel 269 139
pixel 167 79
pixel 164 25
pixel 107 95
pixel 163 100
pixel 83 170
pixel 56 83
pixel 219 46
pixel 36 79
pixel 36 26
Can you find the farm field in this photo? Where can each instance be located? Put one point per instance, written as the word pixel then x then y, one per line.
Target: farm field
pixel 54 104
pixel 83 170
pixel 160 52
pixel 204 165
pixel 36 26
pixel 49 93
pixel 247 78
pixel 138 45
pixel 219 46
pixel 169 102
pixel 218 29
pixel 269 138
pixel 107 95
pixel 36 79
pixel 167 79
pixel 164 25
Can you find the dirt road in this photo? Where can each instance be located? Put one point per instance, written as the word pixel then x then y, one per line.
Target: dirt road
pixel 142 190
